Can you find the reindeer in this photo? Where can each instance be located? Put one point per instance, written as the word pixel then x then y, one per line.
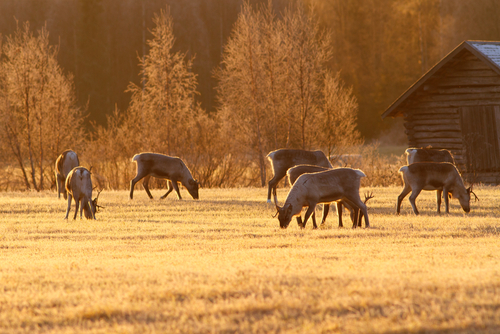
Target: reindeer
pixel 430 155
pixel 441 176
pixel 323 187
pixel 164 167
pixel 79 186
pixel 283 159
pixel 294 172
pixel 64 164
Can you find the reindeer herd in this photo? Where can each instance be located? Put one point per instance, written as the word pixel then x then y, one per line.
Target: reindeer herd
pixel 312 176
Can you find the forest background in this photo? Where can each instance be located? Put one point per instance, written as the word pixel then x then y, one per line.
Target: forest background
pixel 375 50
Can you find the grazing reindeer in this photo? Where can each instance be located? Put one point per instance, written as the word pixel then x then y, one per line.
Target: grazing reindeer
pixel 163 167
pixel 323 187
pixel 294 172
pixel 430 155
pixel 442 176
pixel 283 159
pixel 64 164
pixel 79 186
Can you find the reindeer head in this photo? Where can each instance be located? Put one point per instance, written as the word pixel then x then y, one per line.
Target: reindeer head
pixel 284 215
pixel 192 187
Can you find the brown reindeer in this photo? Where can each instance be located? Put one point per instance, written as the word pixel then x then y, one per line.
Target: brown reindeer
pixel 164 167
pixel 441 176
pixel 283 159
pixel 64 164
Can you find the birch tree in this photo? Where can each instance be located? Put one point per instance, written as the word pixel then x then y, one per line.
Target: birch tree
pixel 39 117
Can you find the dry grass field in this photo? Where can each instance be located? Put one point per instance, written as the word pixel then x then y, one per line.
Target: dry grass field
pixel 222 265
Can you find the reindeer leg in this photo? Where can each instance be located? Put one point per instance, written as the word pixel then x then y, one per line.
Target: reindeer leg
pixel 299 221
pixel 176 188
pixel 77 204
pixel 401 197
pixel 69 206
pixel 272 185
pixel 358 207
pixel 170 187
pixel 413 197
pixel 314 220
pixel 439 193
pixel 446 200
pixel 82 206
pixel 326 209
pixel 339 213
pixel 309 212
pixel 145 184
pixel 136 179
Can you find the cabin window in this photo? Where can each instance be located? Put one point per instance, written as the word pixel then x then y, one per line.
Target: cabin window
pixel 480 130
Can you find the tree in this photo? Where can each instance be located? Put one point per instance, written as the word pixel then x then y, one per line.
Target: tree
pixel 336 121
pixel 39 117
pixel 270 81
pixel 164 103
pixel 307 52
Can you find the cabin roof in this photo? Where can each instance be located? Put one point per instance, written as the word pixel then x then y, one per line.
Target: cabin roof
pixel 488 52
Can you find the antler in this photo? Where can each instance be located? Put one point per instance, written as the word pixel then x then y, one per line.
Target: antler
pixel 475 196
pixel 94 201
pixel 368 196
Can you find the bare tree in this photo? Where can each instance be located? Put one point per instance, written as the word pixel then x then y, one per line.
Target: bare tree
pixel 37 108
pixel 336 120
pixel 270 81
pixel 307 51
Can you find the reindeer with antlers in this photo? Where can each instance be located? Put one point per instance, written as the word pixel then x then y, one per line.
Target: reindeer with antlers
pixel 294 173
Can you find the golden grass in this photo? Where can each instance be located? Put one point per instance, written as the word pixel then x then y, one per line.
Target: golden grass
pixel 222 265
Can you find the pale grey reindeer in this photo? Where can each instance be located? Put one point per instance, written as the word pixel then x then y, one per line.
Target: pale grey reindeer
pixel 294 173
pixel 329 186
pixel 429 155
pixel 442 176
pixel 79 186
pixel 164 167
pixel 283 159
pixel 65 162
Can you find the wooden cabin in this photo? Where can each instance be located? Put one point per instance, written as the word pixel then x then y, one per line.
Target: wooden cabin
pixel 456 106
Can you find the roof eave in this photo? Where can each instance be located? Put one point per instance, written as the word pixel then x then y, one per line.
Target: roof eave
pixel 392 108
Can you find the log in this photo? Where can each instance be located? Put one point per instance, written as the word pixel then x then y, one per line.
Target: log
pixel 467 90
pixel 451 73
pixel 438 127
pixel 438 134
pixel 457 104
pixel 444 141
pixel 425 121
pixel 467 81
pixel 471 65
pixel 459 97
